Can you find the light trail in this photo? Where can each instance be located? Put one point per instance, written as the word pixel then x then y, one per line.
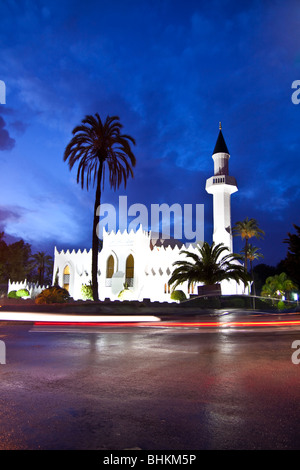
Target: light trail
pixel 177 324
pixel 60 319
pixel 49 319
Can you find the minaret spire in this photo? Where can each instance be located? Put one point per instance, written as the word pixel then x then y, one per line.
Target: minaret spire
pixel 221 186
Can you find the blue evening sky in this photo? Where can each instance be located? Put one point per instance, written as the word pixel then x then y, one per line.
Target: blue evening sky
pixel 171 70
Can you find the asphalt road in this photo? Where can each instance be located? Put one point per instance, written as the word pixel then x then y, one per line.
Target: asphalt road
pixel 148 388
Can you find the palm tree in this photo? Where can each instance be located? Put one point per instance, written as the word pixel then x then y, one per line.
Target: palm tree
pixel 211 266
pixel 247 229
pixel 252 254
pixel 41 261
pixel 277 286
pixel 96 147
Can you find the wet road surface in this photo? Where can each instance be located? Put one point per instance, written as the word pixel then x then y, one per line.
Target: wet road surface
pixel 148 388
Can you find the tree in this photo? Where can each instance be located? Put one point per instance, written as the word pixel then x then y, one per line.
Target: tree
pixel 41 261
pixel 278 286
pixel 252 254
pixel 261 272
pixel 14 260
pixel 3 258
pixel 291 264
pixel 247 229
pixel 18 264
pixel 96 147
pixel 211 266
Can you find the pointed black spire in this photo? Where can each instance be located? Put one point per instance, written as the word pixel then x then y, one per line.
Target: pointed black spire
pixel 220 146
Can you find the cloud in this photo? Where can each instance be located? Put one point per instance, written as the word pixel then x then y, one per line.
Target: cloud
pixel 7 215
pixel 6 142
pixel 19 126
pixel 43 222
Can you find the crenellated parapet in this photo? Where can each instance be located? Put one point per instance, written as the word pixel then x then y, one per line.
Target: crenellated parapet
pixel 33 288
pixel 71 253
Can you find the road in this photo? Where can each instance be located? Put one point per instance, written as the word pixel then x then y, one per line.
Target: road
pixel 110 388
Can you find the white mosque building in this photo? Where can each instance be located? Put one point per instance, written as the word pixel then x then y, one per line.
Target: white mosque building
pixel 141 260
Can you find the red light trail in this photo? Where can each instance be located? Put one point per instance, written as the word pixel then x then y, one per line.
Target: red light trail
pixel 175 324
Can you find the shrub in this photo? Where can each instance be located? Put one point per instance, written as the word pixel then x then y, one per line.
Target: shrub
pixel 281 305
pixel 12 294
pixel 126 293
pixel 22 293
pixel 87 292
pixel 53 295
pixel 178 295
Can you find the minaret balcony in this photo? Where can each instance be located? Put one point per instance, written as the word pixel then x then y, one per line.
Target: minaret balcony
pixel 220 180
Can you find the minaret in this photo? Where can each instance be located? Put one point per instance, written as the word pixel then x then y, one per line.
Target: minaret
pixel 221 185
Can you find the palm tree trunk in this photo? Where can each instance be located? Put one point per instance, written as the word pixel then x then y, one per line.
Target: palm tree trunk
pixel 246 254
pixel 41 274
pixel 253 282
pixel 95 240
pixel 253 285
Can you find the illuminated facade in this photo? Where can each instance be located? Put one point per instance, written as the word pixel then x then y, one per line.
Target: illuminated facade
pixel 141 262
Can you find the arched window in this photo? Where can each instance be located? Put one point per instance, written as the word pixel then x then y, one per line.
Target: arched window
pixel 110 265
pixel 66 278
pixel 129 270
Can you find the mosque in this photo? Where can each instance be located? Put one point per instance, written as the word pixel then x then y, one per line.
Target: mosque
pixel 143 262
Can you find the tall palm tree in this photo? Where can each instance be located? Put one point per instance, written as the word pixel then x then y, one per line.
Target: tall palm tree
pixel 247 229
pixel 252 254
pixel 41 261
pixel 97 147
pixel 211 266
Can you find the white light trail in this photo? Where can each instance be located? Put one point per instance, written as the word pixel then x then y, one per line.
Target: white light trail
pixel 54 317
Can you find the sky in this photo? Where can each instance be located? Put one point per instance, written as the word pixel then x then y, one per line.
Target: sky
pixel 171 70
